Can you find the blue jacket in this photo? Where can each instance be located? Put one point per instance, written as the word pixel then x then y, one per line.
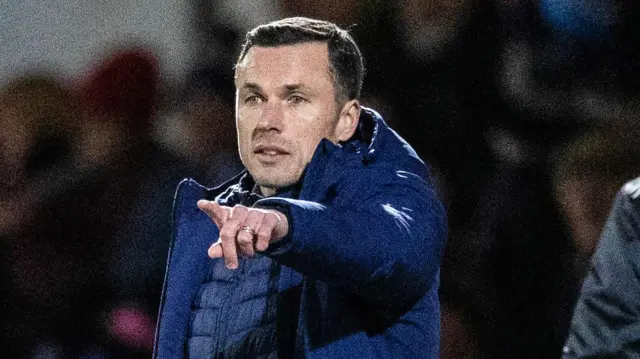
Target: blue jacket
pixel 366 238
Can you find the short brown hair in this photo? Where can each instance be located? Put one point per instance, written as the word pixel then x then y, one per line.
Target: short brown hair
pixel 345 59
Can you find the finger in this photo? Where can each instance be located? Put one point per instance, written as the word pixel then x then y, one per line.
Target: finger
pixel 219 214
pixel 265 232
pixel 228 238
pixel 215 251
pixel 245 242
pixel 239 214
pixel 246 239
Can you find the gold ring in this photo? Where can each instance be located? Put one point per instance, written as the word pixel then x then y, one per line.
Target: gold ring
pixel 248 229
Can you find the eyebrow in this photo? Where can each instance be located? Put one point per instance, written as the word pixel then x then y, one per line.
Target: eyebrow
pixel 295 87
pixel 251 86
pixel 287 88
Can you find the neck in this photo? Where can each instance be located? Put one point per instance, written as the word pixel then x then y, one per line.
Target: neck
pixel 267 191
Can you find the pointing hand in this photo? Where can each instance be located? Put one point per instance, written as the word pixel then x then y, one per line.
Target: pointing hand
pixel 243 230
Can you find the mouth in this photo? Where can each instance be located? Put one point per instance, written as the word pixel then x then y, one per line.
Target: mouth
pixel 269 152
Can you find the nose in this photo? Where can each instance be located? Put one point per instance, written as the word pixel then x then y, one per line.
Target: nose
pixel 271 118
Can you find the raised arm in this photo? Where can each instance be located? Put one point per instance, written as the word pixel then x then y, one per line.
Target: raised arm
pixel 386 246
pixel 380 236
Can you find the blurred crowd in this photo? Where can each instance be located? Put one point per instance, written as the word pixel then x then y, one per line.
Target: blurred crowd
pixel 525 111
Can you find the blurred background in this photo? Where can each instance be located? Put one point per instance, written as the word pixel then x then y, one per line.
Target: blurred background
pixel 525 109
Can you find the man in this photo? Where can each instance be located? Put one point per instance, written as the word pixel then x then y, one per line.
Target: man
pixel 330 244
pixel 606 320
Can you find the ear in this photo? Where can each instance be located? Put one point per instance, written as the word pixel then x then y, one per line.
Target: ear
pixel 348 121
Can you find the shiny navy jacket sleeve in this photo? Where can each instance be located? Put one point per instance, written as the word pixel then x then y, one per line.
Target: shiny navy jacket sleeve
pixel 606 320
pixel 377 232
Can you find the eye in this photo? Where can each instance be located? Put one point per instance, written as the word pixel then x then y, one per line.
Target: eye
pixel 296 100
pixel 253 100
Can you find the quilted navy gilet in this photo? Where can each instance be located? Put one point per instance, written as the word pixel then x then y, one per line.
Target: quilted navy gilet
pixel 243 313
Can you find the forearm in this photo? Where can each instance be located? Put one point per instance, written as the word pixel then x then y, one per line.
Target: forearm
pixel 388 253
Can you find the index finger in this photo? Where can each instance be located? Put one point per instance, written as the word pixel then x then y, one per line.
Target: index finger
pixel 218 213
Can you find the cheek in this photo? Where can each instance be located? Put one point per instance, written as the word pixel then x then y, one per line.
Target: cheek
pixel 244 145
pixel 308 142
pixel 243 129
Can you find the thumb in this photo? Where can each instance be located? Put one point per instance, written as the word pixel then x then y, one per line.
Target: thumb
pixel 218 213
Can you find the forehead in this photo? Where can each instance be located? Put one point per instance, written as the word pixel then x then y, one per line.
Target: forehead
pixel 289 63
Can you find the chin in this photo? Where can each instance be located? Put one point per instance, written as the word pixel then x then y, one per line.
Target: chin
pixel 274 183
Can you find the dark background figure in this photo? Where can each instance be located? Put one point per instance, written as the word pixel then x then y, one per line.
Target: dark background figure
pixel 134 173
pixel 38 112
pixel 605 319
pixel 201 126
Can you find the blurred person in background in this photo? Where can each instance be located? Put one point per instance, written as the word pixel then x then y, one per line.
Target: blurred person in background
pixel 200 128
pixel 606 319
pixel 128 172
pixel 589 170
pixel 525 263
pixel 419 54
pixel 120 102
pixel 116 155
pixel 537 270
pixel 83 227
pixel 562 71
pixel 347 229
pixel 38 115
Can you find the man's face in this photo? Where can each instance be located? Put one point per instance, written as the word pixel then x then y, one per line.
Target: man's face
pixel 285 104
